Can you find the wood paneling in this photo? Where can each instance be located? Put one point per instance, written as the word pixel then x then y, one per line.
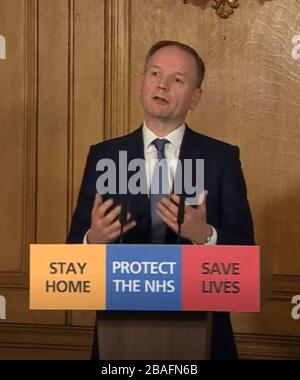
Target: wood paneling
pixel 52 111
pixel 53 85
pixel 88 79
pixel 70 80
pixel 43 342
pixel 18 77
pixel 117 45
pixel 274 319
pixel 268 347
pixel 12 138
pixel 17 309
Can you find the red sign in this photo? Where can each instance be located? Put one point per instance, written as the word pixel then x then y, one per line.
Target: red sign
pixel 221 278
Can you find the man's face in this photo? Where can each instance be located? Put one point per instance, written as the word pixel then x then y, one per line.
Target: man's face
pixel 168 86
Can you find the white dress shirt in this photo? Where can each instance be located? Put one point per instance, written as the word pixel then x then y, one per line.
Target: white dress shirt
pixel 172 149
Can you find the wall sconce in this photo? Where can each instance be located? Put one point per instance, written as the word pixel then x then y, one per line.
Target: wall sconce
pixel 224 8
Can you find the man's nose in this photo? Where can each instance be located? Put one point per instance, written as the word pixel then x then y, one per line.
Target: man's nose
pixel 163 83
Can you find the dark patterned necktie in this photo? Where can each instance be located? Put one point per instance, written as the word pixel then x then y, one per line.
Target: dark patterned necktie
pixel 159 188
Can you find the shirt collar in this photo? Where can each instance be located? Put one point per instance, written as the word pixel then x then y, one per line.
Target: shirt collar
pixel 175 137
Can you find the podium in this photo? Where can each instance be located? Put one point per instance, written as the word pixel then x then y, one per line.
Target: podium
pixel 175 335
pixel 153 302
pixel 154 335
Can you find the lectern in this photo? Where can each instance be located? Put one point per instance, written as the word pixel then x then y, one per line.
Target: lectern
pixel 154 335
pixel 205 278
pixel 153 301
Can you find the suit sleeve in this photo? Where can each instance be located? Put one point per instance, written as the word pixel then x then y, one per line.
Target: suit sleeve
pixel 82 216
pixel 236 226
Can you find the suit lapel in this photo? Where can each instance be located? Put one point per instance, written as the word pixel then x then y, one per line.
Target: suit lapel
pixel 189 150
pixel 139 204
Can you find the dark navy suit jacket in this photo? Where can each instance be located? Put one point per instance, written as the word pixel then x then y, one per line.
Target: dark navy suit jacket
pixel 227 206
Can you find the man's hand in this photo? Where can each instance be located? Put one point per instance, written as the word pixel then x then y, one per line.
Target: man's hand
pixel 194 227
pixel 105 226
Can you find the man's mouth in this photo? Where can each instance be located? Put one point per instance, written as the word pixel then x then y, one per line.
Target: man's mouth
pixel 159 100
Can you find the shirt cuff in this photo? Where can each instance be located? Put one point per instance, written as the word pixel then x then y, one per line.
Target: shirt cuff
pixel 213 238
pixel 85 240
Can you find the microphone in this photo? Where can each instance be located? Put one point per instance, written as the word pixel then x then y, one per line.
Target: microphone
pixel 180 216
pixel 123 218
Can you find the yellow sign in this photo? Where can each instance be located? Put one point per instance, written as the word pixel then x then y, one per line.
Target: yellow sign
pixel 65 276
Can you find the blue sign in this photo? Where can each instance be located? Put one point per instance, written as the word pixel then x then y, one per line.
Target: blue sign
pixel 143 277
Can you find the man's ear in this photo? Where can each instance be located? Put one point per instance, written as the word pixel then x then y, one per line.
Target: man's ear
pixel 196 97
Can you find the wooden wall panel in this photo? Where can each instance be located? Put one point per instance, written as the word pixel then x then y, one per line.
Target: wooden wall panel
pixel 88 80
pixel 116 66
pixel 18 159
pixel 20 164
pixel 23 342
pixel 12 136
pixel 18 312
pixel 53 75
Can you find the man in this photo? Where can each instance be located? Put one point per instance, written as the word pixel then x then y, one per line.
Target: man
pixel 170 87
